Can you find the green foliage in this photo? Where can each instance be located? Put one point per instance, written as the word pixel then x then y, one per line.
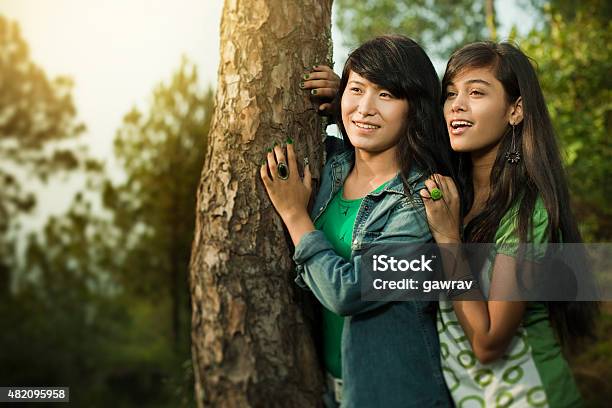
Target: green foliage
pixel 573 60
pixel 592 366
pixel 73 323
pixel 439 26
pixel 46 326
pixel 102 304
pixel 104 348
pixel 38 131
pixel 568 9
pixel 162 153
pixel 34 109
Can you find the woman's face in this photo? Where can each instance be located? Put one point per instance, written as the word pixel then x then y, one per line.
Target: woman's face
pixel 476 111
pixel 372 117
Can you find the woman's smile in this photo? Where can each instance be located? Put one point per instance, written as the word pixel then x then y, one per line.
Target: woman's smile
pixel 365 127
pixel 458 127
pixel 476 111
pixel 369 110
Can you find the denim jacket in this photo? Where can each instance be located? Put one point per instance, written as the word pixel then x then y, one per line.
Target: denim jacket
pixel 390 351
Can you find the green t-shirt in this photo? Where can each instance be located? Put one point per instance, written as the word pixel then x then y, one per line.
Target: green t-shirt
pixel 337 222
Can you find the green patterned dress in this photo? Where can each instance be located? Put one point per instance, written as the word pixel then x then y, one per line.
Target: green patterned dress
pixel 533 371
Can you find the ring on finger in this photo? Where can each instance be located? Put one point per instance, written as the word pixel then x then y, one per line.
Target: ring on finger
pixel 282 170
pixel 435 194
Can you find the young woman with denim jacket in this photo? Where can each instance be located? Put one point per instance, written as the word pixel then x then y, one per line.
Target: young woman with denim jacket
pixel 500 352
pixel 388 113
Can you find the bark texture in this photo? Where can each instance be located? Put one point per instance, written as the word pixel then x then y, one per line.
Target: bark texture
pixel 252 345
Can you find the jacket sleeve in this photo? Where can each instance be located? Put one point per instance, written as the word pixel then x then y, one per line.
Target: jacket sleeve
pixel 336 282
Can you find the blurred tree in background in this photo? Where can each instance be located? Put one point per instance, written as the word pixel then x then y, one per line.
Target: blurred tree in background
pixel 162 153
pixel 102 304
pixel 38 135
pixel 571 46
pixel 572 51
pixel 439 26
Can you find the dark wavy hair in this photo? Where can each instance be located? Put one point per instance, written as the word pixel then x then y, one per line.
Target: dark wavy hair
pixel 399 65
pixel 539 172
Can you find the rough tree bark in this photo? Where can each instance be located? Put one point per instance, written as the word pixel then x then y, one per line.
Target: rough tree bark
pixel 251 342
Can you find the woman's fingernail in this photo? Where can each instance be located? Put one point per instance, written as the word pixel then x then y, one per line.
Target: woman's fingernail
pixel 314 92
pixel 269 150
pixel 305 161
pixel 263 161
pixel 275 143
pixel 302 85
pixel 306 76
pixel 314 66
pixel 289 140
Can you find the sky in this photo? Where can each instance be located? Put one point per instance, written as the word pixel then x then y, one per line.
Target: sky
pixel 116 51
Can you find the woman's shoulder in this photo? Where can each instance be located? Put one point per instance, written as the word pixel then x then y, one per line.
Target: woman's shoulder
pixel 406 208
pixel 539 214
pixel 508 226
pixel 408 185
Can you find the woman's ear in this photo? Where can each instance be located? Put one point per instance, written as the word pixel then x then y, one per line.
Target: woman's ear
pixel 516 112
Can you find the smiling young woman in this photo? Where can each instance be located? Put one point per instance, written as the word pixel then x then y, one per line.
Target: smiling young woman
pixel 386 353
pixel 476 112
pixel 500 352
pixel 373 117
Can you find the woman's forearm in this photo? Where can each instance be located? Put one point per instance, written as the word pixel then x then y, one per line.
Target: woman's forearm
pixel 475 320
pixel 298 224
pixel 488 325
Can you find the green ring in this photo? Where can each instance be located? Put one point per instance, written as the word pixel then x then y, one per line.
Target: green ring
pixel 435 194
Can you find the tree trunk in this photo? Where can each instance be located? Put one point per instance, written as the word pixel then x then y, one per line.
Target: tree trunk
pixel 490 18
pixel 251 343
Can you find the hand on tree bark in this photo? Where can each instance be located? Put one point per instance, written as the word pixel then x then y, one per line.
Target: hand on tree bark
pixel 289 196
pixel 323 84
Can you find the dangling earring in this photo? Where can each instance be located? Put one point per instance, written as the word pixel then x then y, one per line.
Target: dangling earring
pixel 513 156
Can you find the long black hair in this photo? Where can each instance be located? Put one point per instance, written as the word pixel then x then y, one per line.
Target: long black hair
pixel 539 173
pixel 399 65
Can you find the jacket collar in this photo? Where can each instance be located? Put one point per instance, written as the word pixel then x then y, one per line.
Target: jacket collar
pixel 342 163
